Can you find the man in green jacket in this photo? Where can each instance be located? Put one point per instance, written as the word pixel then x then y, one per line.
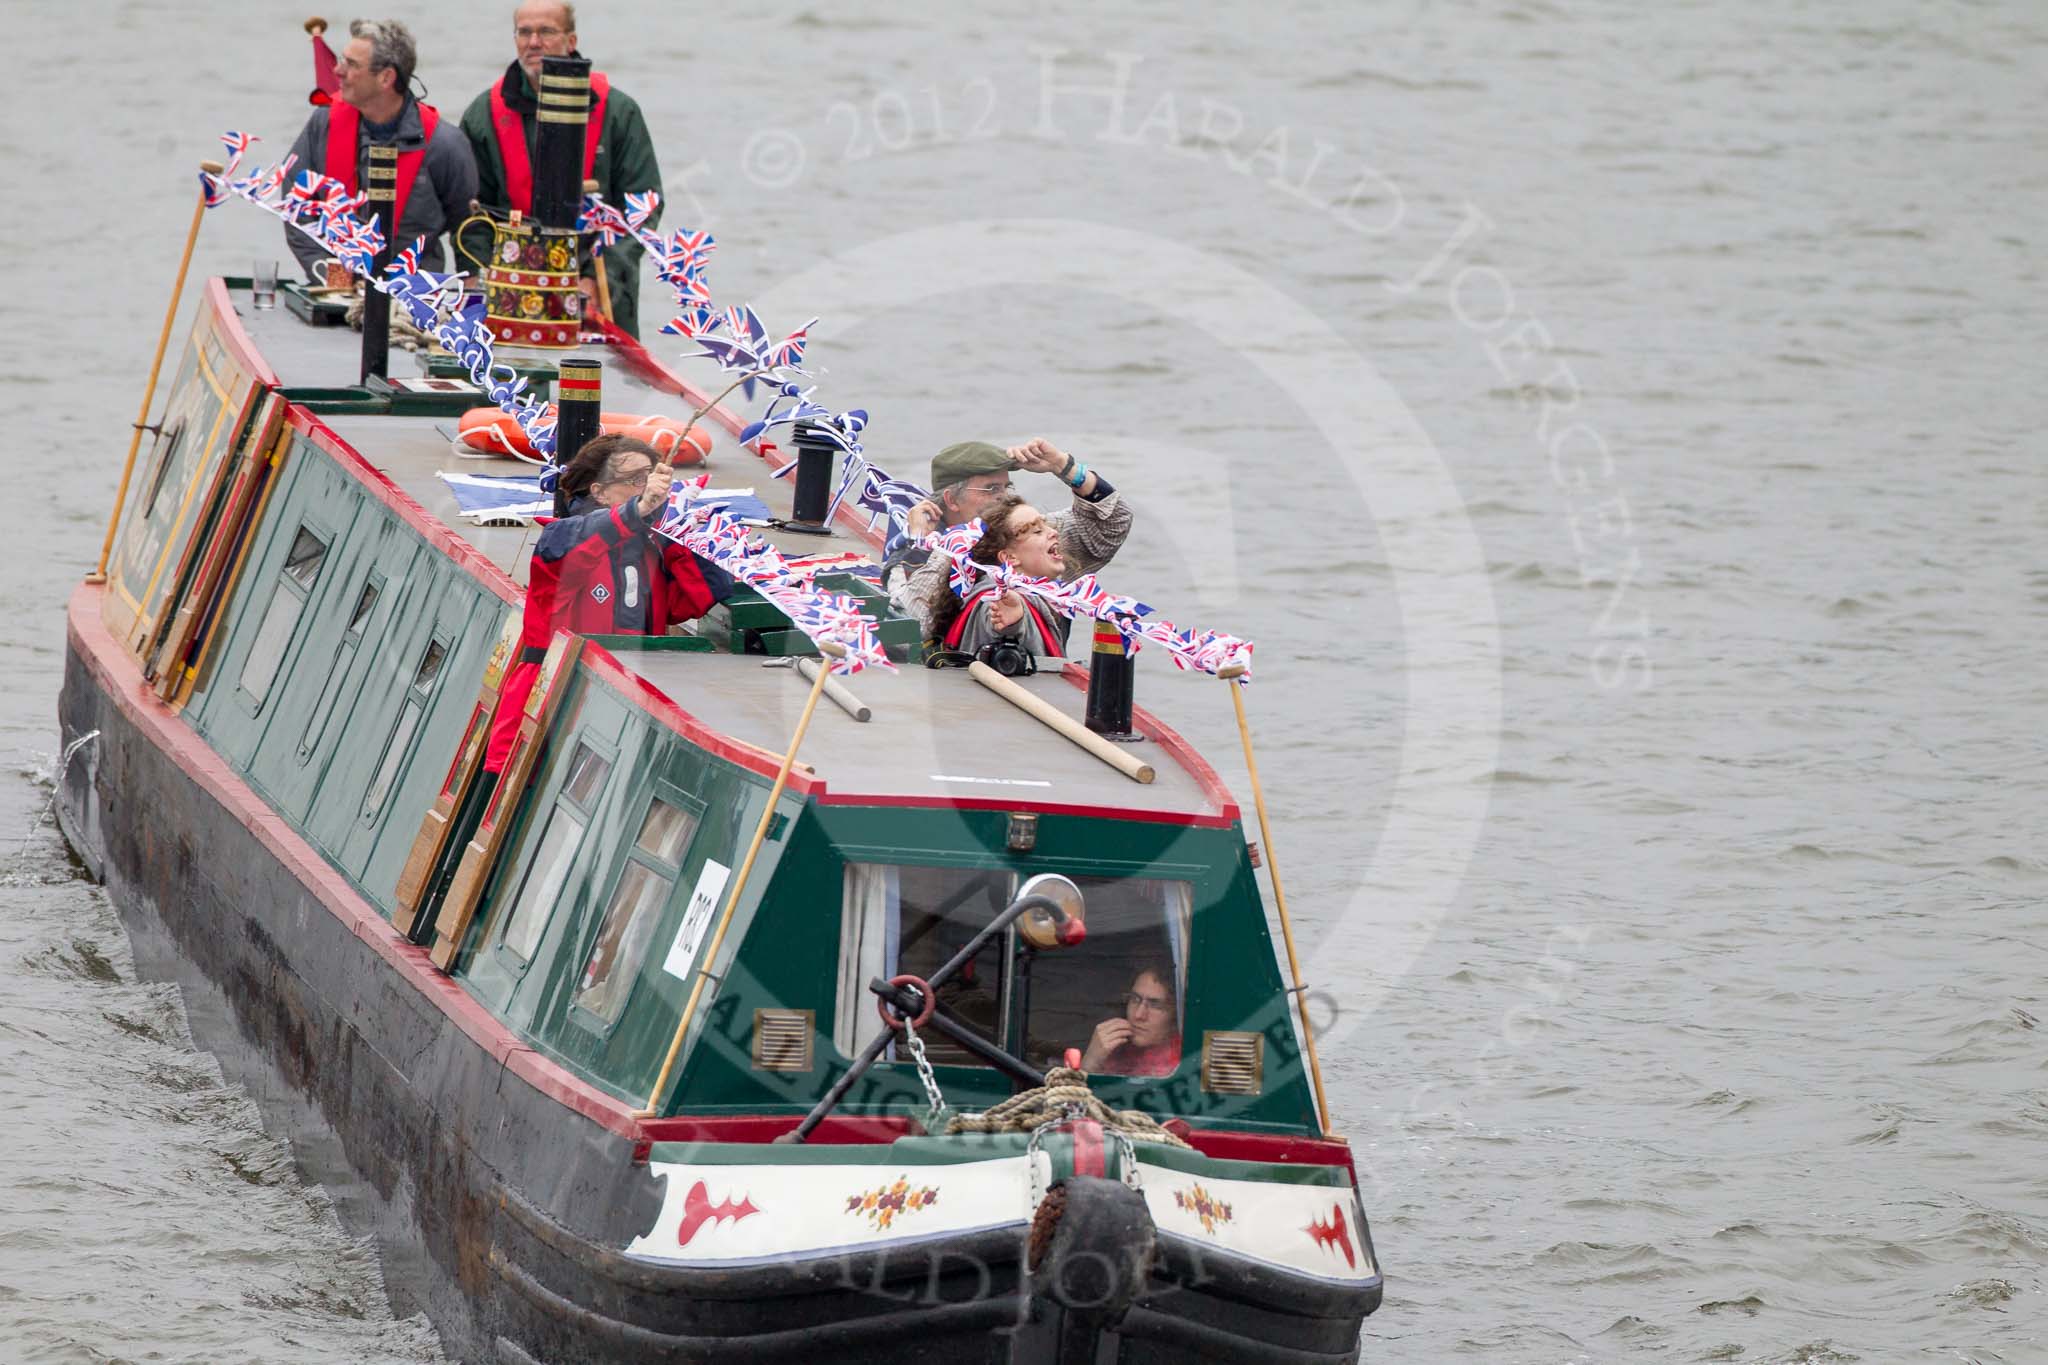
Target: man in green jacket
pixel 624 153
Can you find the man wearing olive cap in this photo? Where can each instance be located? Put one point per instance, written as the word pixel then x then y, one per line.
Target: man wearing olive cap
pixel 971 475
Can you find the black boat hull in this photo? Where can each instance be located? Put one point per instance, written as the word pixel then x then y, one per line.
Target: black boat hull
pixel 498 1208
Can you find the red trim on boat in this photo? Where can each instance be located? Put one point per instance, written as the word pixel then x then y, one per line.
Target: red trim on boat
pixel 835 1129
pixel 237 341
pixel 605 666
pixel 1157 817
pixel 1277 1148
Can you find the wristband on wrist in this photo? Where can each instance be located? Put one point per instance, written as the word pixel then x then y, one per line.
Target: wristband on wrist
pixel 1066 468
pixel 1080 475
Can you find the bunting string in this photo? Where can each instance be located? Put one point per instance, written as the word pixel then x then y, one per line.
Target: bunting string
pixel 1204 651
pixel 710 530
pixel 322 208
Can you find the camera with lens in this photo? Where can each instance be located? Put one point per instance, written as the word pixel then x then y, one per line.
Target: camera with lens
pixel 1008 658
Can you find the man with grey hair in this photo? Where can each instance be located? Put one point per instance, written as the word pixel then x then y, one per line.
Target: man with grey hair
pixel 436 173
pixel 502 122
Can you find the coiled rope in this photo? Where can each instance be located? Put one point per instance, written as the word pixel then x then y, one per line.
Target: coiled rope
pixel 1064 1095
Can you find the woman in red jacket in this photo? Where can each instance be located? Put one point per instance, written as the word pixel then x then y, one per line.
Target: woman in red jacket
pixel 602 570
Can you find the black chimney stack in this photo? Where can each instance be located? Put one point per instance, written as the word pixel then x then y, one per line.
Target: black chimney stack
pixel 380 184
pixel 813 480
pixel 559 139
pixel 579 394
pixel 1110 674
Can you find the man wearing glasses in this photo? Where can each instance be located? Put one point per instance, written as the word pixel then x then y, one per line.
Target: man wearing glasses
pixel 973 475
pixel 436 177
pixel 619 156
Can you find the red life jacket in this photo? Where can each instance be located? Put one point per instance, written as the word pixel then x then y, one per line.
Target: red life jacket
pixel 572 584
pixel 511 134
pixel 344 126
pixel 1045 631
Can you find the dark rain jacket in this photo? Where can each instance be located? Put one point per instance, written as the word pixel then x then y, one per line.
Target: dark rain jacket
pixel 440 195
pixel 625 165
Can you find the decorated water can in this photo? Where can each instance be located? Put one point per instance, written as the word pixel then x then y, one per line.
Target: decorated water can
pixel 530 292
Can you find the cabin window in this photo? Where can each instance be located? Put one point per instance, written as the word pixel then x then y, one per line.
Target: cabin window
pixel 344 664
pixel 549 870
pixel 1138 931
pixel 411 712
pixel 652 866
pixel 281 618
pixel 896 920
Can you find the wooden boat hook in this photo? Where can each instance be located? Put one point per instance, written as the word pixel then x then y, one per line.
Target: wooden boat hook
pixel 910 1003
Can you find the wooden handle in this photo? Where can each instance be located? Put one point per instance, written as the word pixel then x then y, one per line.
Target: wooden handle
pixel 212 167
pixel 316 26
pixel 1229 671
pixel 1055 719
pixel 841 695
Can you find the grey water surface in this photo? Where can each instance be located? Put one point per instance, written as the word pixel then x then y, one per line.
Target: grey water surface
pixel 1618 425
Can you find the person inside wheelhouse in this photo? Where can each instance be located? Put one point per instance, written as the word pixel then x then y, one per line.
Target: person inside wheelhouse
pixel 1017 534
pixel 602 569
pixel 1035 1004
pixel 1145 1039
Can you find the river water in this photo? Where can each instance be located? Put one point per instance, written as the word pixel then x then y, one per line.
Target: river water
pixel 1611 421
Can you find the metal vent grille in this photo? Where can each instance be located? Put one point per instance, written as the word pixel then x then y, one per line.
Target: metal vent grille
pixel 782 1040
pixel 1233 1063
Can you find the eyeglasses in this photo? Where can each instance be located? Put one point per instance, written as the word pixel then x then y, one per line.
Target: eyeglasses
pixel 546 35
pixel 989 488
pixel 638 480
pixel 1156 1003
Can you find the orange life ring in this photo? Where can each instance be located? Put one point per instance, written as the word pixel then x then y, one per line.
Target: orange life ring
pixel 495 432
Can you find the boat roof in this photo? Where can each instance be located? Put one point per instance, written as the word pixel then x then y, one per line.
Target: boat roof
pixel 935 737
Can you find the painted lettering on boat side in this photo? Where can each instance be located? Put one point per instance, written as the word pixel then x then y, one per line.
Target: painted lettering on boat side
pixel 703 900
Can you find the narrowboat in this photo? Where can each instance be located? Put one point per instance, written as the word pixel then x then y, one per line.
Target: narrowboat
pixel 670 1047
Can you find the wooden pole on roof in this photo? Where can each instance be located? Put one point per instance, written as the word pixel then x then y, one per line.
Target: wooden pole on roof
pixel 1230 673
pixel 163 340
pixel 604 290
pixel 739 884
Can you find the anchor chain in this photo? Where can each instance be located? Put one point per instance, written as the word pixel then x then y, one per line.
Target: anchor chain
pixel 924 1067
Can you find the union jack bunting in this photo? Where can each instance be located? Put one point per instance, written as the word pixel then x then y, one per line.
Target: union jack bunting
pixel 641 207
pixel 236 144
pixel 1204 651
pixel 316 205
pixel 709 531
pixel 601 218
pixel 407 262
